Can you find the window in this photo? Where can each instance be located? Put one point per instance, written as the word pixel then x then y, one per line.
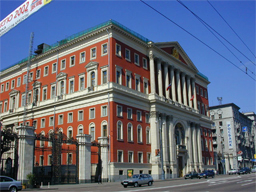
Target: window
pixel 148 135
pixel 119 111
pixel 119 130
pixel 201 92
pixel 118 50
pixel 130 132
pixel 92 131
pixel 70 133
pixel 128 79
pixel 29 98
pixel 220 123
pixel 120 156
pixel 1 107
pixel 139 134
pixel 92 113
pixel 69 158
pixel 130 156
pixel 18 81
pixel 49 159
pixel 51 121
pixel 80 115
pixel 35 124
pixel 93 53
pixel 127 55
pixel 197 90
pixel 82 57
pixel 30 76
pixel 129 113
pixel 38 72
pixel 72 61
pixel 44 93
pixel 71 86
pixel 104 77
pixel 139 118
pixel 220 116
pixel 93 79
pixel 53 91
pixel 41 163
pixel 2 88
pixel 104 129
pixel 136 59
pixel 145 85
pixel 203 109
pixel 104 111
pixel 148 157
pixel 81 83
pixel 23 100
pixel 118 77
pixel 7 86
pixel 198 106
pixel 137 82
pixel 80 129
pixel 5 106
pixel 70 117
pixel 121 172
pixel 63 64
pixel 147 117
pixel 42 123
pixel 13 84
pixel 54 67
pixel 104 49
pixel 60 119
pixel 46 70
pixel 145 63
pixel 140 157
pixel 205 94
pixel 24 79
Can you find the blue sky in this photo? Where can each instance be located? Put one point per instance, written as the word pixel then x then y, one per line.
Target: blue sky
pixel 60 19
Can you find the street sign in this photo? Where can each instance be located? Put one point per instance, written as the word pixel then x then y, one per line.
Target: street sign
pixel 244 129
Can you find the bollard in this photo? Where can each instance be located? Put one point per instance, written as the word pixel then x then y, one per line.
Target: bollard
pixel 41 185
pixel 48 184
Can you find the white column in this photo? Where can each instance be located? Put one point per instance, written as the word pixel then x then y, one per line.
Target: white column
pixel 152 72
pixel 166 75
pixel 195 153
pixel 189 92
pixel 26 152
pixel 164 140
pixel 172 144
pixel 184 90
pixel 173 84
pixel 160 83
pixel 104 157
pixel 189 146
pixel 178 85
pixel 194 94
pixel 199 148
pixel 84 147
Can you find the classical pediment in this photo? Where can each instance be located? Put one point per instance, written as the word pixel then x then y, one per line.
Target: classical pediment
pixel 61 75
pixel 92 65
pixel 175 50
pixel 14 92
pixel 37 84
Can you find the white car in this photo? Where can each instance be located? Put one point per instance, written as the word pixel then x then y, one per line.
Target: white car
pixel 232 171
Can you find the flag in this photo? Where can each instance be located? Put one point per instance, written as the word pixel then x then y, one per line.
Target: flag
pixel 168 87
pixel 192 98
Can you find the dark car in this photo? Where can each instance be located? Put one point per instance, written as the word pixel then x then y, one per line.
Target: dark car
pixel 244 170
pixel 206 174
pixel 138 180
pixel 191 175
pixel 9 184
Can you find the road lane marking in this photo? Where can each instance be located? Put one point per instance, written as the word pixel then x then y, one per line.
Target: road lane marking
pixel 248 183
pixel 243 181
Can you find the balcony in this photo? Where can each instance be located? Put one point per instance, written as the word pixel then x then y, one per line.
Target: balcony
pixel 181 148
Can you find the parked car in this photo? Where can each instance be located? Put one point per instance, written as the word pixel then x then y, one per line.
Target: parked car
pixel 244 170
pixel 191 175
pixel 232 171
pixel 9 184
pixel 138 180
pixel 206 174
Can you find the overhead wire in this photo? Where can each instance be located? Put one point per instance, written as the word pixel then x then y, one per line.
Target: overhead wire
pixel 195 37
pixel 232 29
pixel 211 30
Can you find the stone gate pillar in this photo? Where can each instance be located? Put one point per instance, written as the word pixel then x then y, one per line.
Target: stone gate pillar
pixel 103 141
pixel 25 152
pixel 84 147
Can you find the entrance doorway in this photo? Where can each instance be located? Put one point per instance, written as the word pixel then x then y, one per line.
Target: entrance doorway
pixel 180 165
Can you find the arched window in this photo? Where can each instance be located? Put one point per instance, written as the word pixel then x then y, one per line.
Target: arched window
pixel 130 132
pixel 104 129
pixel 70 133
pixel 42 134
pixel 119 130
pixel 80 129
pixel 50 138
pixel 148 135
pixel 139 129
pixel 92 131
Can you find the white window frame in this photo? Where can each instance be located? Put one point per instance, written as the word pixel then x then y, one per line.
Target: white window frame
pixel 139 137
pixel 140 160
pixel 79 115
pixel 103 108
pixel 92 125
pixel 148 135
pixel 70 130
pixel 137 77
pixel 5 105
pixel 24 79
pixel 46 72
pixel 18 81
pixel 117 111
pixel 90 110
pixel 118 52
pixel 147 118
pixel 51 121
pixel 80 129
pixel 138 57
pixel 82 59
pixel 148 157
pixel 71 90
pixel 49 159
pixel 118 69
pixel 44 88
pixel 104 69
pixel 42 123
pixel 138 111
pixel 38 73
pixel 91 53
pixel 7 86
pixel 70 114
pixel 127 55
pixel 102 49
pixel 145 89
pixel 129 109
pixel 121 130
pixel 54 71
pixel 13 84
pixel 132 158
pixel 81 88
pixel 52 96
pixel 122 156
pixel 60 121
pixel 61 66
pixel 128 84
pixel 2 88
pixel 104 123
pixel 145 63
pixel 71 60
pixel 131 132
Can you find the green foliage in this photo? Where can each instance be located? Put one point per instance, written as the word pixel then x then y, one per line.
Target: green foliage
pixel 31 178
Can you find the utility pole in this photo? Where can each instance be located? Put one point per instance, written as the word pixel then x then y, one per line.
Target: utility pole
pixel 161 150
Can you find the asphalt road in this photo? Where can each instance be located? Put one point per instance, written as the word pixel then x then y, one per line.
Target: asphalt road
pixel 221 183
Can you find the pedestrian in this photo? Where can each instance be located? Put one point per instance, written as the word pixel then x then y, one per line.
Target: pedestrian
pixel 99 179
